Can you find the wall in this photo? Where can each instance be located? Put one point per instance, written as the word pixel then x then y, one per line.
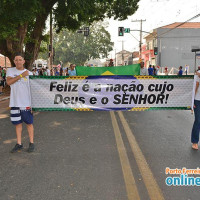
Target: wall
pixel 175 47
pixel 2 61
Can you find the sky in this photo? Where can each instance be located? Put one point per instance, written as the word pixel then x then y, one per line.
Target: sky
pixel 157 13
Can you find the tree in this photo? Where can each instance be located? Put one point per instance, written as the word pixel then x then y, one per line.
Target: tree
pixel 75 48
pixel 23 21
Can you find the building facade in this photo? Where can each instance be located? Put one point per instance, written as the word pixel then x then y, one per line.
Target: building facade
pixel 4 61
pixel 174 43
pixel 122 57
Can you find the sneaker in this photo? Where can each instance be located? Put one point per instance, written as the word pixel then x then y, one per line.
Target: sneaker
pixel 31 147
pixel 17 148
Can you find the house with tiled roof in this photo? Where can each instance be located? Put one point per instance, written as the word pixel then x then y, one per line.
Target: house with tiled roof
pixel 4 61
pixel 174 43
pixel 122 57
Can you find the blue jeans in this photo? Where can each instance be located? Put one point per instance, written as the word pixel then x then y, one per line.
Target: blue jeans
pixel 196 125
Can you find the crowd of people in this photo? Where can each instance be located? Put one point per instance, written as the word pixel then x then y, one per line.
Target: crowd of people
pixel 155 70
pixel 71 71
pixel 56 71
pixel 151 71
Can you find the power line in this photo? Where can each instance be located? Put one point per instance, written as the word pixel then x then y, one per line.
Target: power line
pixel 179 25
pixel 134 37
pixel 190 37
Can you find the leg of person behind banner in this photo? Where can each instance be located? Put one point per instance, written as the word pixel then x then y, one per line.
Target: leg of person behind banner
pixel 196 125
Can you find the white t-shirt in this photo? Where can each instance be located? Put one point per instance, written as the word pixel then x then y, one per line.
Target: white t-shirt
pixel 48 72
pixel 36 73
pixel 20 95
pixel 197 96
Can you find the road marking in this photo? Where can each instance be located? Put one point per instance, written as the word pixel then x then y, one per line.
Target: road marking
pixel 152 187
pixel 131 187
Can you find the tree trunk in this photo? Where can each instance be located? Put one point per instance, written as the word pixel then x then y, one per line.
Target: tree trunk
pixel 32 47
pixel 10 46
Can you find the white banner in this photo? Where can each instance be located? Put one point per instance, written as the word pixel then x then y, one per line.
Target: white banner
pixel 110 93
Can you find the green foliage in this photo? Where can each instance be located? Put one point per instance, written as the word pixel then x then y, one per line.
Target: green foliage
pixel 16 12
pixel 68 14
pixel 22 22
pixel 72 13
pixel 75 48
pixel 43 52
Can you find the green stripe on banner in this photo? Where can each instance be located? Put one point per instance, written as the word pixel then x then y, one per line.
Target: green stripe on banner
pixel 135 109
pixel 170 108
pixel 118 70
pixel 48 77
pixel 53 109
pixel 78 77
pixel 174 76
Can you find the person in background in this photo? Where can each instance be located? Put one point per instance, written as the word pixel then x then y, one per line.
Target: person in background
pixel 155 70
pixel 57 72
pixel 143 70
pixel 61 71
pixel 3 75
pixel 20 101
pixel 166 70
pixel 1 81
pixel 196 125
pixel 150 70
pixel 48 71
pixel 198 71
pixel 1 84
pixel 180 72
pixel 40 72
pixel 72 70
pixel 111 63
pixel 158 68
pixel 44 72
pixel 51 72
pixel 36 72
pixel 66 72
pixel 33 71
pixel 186 69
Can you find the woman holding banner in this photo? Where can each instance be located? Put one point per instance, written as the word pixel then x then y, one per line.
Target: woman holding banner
pixel 196 125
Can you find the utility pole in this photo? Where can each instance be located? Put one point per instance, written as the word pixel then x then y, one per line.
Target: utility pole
pixel 122 52
pixel 140 43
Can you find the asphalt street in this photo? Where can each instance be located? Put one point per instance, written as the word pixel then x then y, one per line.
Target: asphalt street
pixel 98 156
